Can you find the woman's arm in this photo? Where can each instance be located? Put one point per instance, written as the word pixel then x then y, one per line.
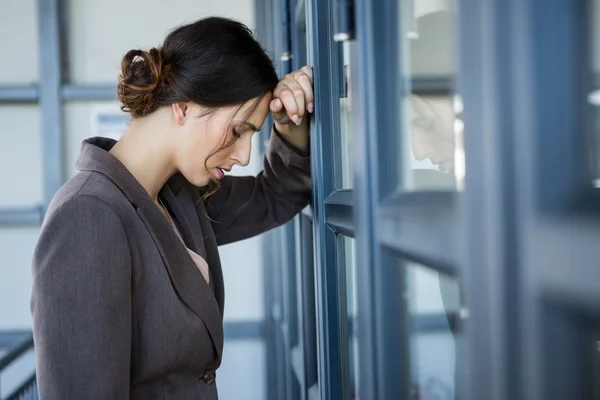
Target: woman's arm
pixel 81 303
pixel 247 206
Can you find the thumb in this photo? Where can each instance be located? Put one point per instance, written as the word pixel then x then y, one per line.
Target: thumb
pixel 278 112
pixel 276 106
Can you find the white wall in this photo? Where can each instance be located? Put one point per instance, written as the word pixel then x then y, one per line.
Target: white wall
pixel 99 34
pixel 18 41
pixel 20 159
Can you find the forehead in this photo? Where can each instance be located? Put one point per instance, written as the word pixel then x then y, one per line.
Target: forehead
pixel 258 112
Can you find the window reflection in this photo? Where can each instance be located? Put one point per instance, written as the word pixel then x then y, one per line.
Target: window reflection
pixel 434 308
pixel 432 131
pixel 345 126
pixel 349 261
pixel 594 93
pixel 429 57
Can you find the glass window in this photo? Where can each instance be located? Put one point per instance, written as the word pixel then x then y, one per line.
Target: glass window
pixel 21 179
pixel 434 308
pixel 345 116
pixel 594 95
pixel 244 362
pixel 428 43
pixel 348 260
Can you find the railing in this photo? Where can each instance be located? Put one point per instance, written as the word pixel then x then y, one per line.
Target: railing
pixel 27 391
pixel 18 343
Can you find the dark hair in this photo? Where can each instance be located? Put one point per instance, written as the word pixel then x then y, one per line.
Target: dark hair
pixel 213 62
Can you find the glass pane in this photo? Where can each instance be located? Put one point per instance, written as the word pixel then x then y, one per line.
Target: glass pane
pixel 17 245
pixel 434 307
pixel 594 95
pixel 429 54
pixel 20 47
pixel 345 116
pixel 95 52
pixel 21 178
pixel 244 362
pixel 348 258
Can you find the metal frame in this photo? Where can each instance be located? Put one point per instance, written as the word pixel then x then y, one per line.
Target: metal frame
pixel 489 194
pixel 50 41
pixel 11 94
pixel 87 92
pixel 527 301
pixel 383 341
pixel 323 55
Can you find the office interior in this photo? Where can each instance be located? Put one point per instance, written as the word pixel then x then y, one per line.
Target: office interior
pixel 450 248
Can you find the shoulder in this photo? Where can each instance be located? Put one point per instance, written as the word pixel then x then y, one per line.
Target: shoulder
pixel 82 224
pixel 88 186
pixel 88 197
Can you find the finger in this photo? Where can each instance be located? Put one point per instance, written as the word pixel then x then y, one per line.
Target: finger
pixel 289 103
pixel 308 71
pixel 298 92
pixel 306 85
pixel 276 106
pixel 278 112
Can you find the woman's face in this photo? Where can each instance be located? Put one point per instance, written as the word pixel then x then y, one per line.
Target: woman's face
pixel 200 135
pixel 432 130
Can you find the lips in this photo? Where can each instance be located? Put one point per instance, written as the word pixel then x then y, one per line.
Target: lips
pixel 221 172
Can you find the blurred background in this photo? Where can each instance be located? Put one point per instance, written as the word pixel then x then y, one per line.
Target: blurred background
pixel 44 125
pixel 450 248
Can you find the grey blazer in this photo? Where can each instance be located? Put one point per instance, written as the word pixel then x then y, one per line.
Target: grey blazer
pixel 120 310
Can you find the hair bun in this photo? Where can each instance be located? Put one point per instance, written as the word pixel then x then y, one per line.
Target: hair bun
pixel 142 76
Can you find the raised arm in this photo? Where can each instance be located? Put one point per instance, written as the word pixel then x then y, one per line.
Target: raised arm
pixel 81 304
pixel 247 206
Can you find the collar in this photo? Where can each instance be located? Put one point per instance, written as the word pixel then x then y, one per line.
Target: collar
pixel 94 156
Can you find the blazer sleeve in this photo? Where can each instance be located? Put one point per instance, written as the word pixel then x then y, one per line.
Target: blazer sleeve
pixel 81 303
pixel 247 206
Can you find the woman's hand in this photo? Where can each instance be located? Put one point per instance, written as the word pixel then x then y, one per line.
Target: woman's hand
pixel 292 98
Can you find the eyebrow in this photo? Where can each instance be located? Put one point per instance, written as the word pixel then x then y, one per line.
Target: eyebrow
pixel 251 126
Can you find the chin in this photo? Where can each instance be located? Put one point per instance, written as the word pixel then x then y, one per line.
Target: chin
pixel 199 181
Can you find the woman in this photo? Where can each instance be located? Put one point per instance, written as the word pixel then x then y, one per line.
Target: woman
pixel 432 131
pixel 128 291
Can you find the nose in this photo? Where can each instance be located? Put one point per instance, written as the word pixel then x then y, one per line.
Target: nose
pixel 420 152
pixel 242 151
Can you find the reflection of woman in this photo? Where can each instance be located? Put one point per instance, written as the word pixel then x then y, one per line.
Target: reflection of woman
pixel 127 284
pixel 432 131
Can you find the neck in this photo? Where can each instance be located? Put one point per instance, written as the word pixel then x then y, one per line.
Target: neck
pixel 144 151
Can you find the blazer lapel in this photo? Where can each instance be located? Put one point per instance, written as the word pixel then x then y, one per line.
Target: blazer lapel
pixel 183 209
pixel 185 276
pixel 212 254
pixel 189 205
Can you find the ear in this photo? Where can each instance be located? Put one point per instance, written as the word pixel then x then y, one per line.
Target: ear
pixel 180 111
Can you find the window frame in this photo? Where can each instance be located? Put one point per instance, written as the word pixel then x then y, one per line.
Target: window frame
pixel 546 211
